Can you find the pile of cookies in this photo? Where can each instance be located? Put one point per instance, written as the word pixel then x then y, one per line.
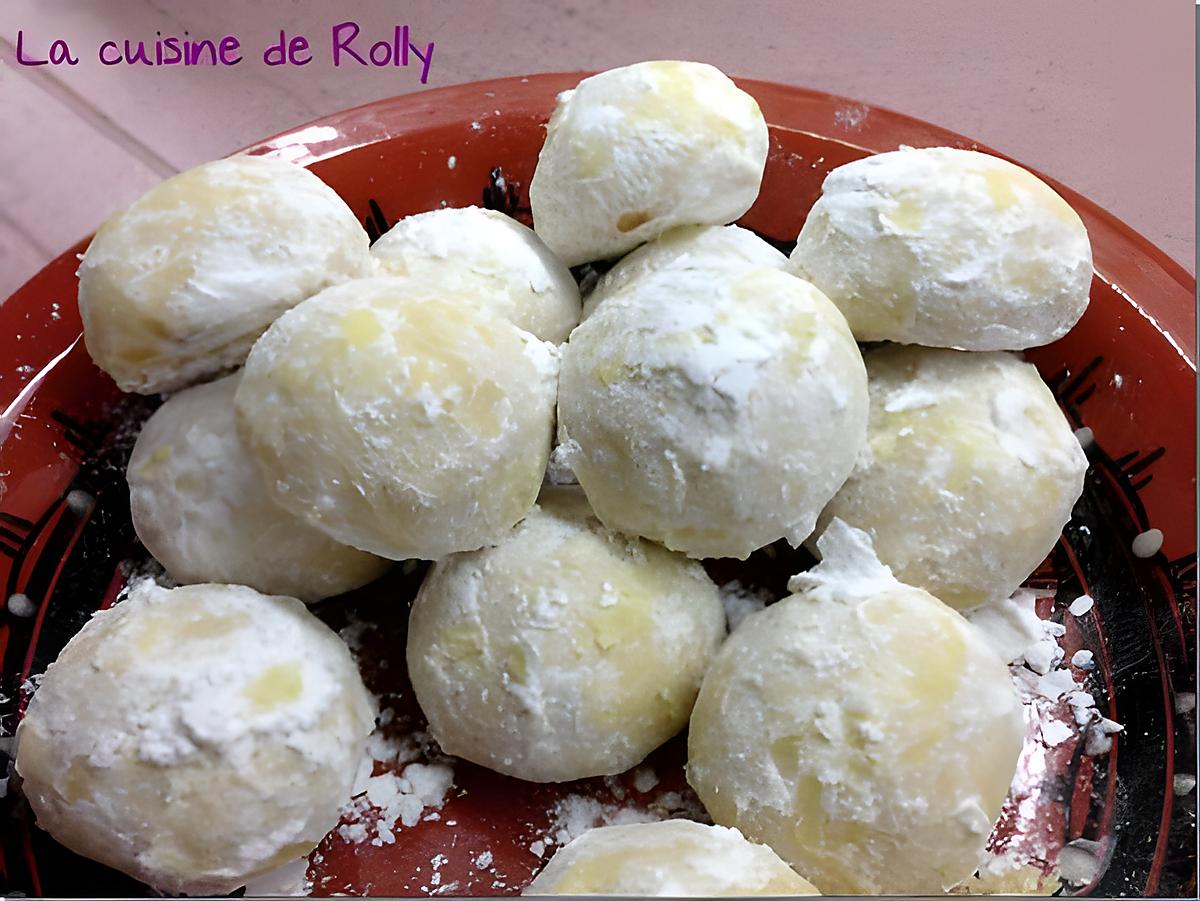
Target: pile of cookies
pixel 334 407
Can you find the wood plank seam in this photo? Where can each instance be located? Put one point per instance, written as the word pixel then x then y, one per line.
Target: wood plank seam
pixel 124 139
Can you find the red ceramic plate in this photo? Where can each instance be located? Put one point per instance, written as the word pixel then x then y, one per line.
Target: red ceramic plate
pixel 1127 372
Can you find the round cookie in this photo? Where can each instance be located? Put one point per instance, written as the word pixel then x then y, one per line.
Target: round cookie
pixel 565 651
pixel 687 247
pixel 177 287
pixel 400 419
pixel 634 151
pixel 493 258
pixel 195 737
pixel 669 859
pixel 946 248
pixel 969 474
pixel 200 507
pixel 861 728
pixel 712 410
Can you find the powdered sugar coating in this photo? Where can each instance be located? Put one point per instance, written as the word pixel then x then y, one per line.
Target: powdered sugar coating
pixel 634 151
pixel 861 728
pixel 565 651
pixel 946 248
pixel 399 418
pixel 195 737
pixel 713 410
pixel 668 859
pixel 687 247
pixel 490 257
pixel 200 507
pixel 969 474
pixel 178 286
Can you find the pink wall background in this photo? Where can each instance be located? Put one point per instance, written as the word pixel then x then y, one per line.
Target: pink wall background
pixel 1098 94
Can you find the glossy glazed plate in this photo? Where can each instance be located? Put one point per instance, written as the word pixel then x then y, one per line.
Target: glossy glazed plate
pixel 1127 372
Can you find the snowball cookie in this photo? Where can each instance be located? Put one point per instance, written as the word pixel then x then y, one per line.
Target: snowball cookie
pixel 563 652
pixel 670 859
pixel 177 286
pixel 195 737
pixel 200 507
pixel 631 152
pixel 403 424
pixel 688 247
pixel 491 258
pixel 969 474
pixel 947 248
pixel 861 728
pixel 713 410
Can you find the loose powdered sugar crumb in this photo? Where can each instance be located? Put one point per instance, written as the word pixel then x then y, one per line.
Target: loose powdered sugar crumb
pixel 21 606
pixel 1042 656
pixel 1148 543
pixel 644 779
pixel 1081 605
pixel 403 792
pixel 1079 861
pixel 396 800
pixel 572 816
pixel 1055 732
pixel 740 601
pixel 1060 711
pixel 1099 736
pixel 1056 683
pixel 558 469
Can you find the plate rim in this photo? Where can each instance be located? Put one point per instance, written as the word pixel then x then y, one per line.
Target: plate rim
pixel 432 106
